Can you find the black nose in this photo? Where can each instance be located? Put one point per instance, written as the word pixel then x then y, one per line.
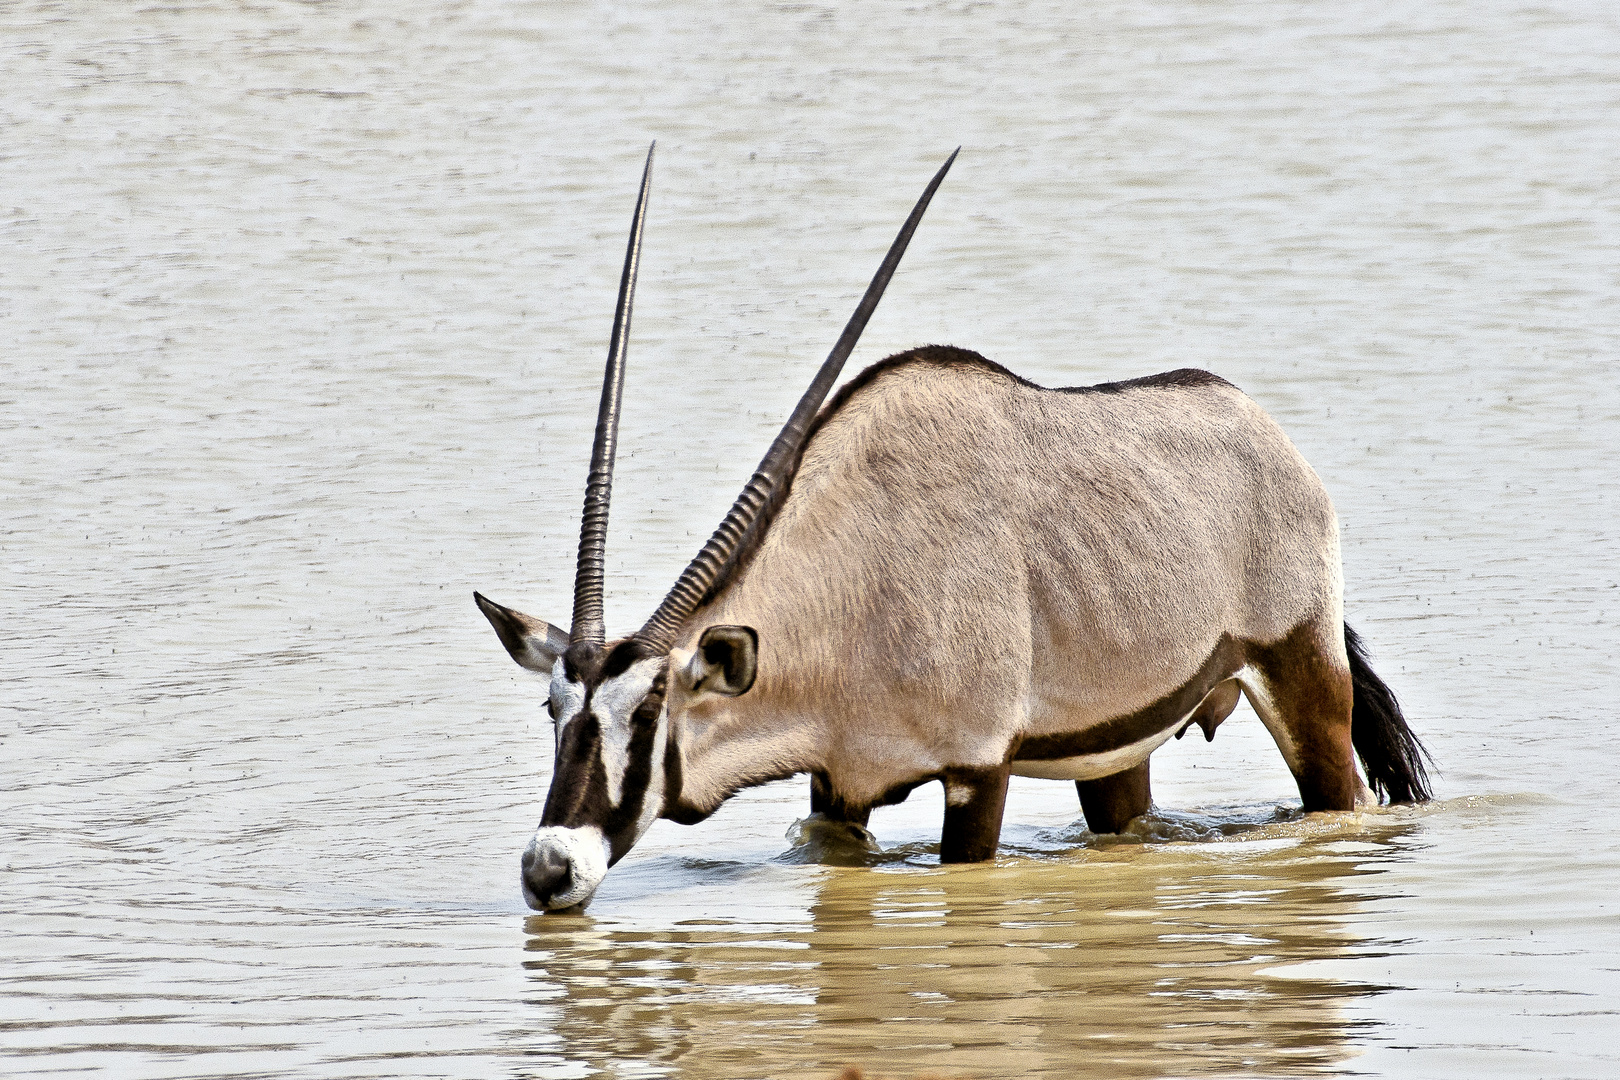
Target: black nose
pixel 546 872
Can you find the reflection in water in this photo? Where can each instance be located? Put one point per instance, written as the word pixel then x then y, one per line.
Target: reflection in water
pixel 1125 959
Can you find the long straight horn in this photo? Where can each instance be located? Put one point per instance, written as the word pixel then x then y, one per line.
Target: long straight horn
pixel 589 577
pixel 696 580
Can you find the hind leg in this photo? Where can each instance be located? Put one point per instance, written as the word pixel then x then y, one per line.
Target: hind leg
pixel 1301 689
pixel 1110 803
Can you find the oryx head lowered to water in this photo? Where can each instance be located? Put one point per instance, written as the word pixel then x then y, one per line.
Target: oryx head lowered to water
pixel 617 766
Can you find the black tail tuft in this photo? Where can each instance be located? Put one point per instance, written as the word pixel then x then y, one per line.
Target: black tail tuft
pixel 1393 758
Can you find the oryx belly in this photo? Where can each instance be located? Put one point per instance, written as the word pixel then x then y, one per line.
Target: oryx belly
pixel 1093 751
pixel 1098 765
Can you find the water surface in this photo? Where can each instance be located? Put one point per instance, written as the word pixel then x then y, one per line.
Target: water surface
pixel 304 309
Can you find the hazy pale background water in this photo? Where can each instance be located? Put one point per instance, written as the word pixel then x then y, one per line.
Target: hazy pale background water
pixel 303 310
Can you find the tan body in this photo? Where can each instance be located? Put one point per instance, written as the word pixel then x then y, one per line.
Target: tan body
pixel 966 562
pixel 949 573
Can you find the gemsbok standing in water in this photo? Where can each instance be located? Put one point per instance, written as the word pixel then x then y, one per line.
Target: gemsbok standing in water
pixel 950 573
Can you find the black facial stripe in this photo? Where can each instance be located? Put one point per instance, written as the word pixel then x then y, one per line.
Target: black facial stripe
pixel 621 823
pixel 582 661
pixel 674 778
pixel 626 654
pixel 638 771
pixel 579 762
pixel 579 787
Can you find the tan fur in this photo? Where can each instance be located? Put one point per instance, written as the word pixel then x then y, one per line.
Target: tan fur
pixel 965 560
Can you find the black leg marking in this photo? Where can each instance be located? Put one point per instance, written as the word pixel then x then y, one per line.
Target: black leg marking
pixel 974 800
pixel 824 802
pixel 820 797
pixel 1111 803
pixel 1312 699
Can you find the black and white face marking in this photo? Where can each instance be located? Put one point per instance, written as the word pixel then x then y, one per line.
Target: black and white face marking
pixel 566 700
pixel 608 782
pixel 615 706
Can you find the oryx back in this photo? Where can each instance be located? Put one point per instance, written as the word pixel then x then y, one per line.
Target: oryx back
pixel 968 564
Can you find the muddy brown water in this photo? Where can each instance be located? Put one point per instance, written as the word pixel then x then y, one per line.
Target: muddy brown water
pixel 304 306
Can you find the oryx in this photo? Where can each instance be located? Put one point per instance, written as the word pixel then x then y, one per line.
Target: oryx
pixel 950 573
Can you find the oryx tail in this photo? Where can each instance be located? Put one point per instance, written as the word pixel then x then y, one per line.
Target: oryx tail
pixel 1390 754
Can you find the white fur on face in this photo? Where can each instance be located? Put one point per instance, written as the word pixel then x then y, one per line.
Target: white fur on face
pixel 569 698
pixel 586 851
pixel 612 704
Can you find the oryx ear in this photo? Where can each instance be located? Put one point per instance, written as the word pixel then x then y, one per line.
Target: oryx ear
pixel 726 660
pixel 534 643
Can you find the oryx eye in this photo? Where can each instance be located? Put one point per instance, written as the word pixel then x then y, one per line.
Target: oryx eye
pixel 649 709
pixel 551 707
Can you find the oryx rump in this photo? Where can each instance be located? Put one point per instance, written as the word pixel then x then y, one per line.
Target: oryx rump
pixel 950 573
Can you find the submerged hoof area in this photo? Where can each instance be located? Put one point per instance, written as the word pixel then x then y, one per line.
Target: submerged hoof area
pixel 816 839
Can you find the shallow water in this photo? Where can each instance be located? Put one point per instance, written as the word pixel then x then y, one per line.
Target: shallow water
pixel 305 306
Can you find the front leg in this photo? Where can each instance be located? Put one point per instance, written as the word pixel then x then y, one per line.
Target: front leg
pixel 831 807
pixel 974 800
